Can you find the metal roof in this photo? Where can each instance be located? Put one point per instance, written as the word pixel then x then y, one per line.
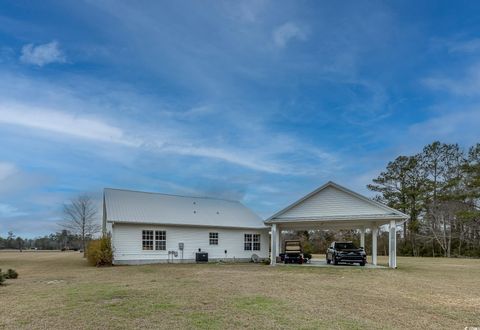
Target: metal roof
pixel 156 208
pixel 323 211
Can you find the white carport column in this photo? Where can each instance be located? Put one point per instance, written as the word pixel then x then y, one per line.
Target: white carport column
pixel 273 245
pixel 392 255
pixel 362 237
pixel 278 240
pixel 374 244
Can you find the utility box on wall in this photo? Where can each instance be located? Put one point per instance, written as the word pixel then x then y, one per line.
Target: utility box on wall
pixel 201 257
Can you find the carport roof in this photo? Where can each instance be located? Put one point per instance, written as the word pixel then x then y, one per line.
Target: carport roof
pixel 336 206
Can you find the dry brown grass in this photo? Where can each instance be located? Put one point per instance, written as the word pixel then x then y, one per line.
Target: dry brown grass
pixel 59 290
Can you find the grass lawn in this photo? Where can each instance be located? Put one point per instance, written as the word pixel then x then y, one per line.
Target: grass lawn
pixel 59 290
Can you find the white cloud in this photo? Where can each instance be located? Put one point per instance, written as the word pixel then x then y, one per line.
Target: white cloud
pixel 286 32
pixel 72 110
pixel 468 46
pixel 96 130
pixel 42 54
pixel 13 181
pixel 6 170
pixel 7 210
pixel 63 123
pixel 466 85
pixel 458 126
pixel 232 156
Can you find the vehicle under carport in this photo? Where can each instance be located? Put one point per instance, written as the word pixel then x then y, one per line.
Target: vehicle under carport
pixel 333 207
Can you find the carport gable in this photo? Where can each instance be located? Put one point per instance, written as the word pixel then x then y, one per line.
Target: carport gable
pixel 335 207
pixel 333 202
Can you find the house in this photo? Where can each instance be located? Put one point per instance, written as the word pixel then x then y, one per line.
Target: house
pixel 154 228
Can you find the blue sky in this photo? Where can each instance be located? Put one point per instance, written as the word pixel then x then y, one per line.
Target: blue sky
pixel 260 101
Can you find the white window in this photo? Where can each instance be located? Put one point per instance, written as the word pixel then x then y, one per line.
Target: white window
pixel 149 241
pixel 160 240
pixel 213 238
pixel 251 242
pixel 256 242
pixel 247 243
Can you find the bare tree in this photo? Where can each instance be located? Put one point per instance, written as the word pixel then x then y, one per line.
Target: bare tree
pixel 80 218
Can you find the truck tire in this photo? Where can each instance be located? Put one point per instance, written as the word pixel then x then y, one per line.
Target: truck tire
pixel 328 261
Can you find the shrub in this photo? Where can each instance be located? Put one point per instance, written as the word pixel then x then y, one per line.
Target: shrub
pixel 307 247
pixel 2 277
pixel 11 274
pixel 99 252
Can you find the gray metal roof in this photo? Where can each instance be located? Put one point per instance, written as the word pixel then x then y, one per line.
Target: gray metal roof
pixel 156 208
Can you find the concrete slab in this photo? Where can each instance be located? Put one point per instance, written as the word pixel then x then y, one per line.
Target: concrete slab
pixel 323 263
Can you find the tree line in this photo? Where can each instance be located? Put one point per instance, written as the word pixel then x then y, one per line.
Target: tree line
pixel 62 240
pixel 80 225
pixel 439 188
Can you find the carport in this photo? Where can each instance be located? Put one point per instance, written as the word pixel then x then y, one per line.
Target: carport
pixel 333 207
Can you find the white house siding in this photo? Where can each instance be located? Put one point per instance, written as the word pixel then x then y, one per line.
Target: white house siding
pixel 127 243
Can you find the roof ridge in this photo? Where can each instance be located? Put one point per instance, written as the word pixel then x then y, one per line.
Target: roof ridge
pixel 174 195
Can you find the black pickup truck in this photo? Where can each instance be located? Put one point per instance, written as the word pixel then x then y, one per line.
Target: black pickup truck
pixel 346 252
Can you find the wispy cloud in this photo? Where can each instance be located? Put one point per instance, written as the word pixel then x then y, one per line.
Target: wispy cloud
pixel 466 84
pixel 464 46
pixel 42 54
pixel 13 180
pixel 7 210
pixel 90 128
pixel 6 170
pixel 63 123
pixel 287 32
pixel 454 127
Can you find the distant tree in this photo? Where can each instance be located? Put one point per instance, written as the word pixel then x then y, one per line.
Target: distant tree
pixel 20 243
pixel 469 218
pixel 440 189
pixel 444 163
pixel 80 218
pixel 63 239
pixel 401 187
pixel 11 240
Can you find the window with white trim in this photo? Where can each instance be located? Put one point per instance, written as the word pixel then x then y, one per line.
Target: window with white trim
pixel 160 240
pixel 251 242
pixel 147 239
pixel 213 238
pixel 256 242
pixel 247 242
pixel 154 240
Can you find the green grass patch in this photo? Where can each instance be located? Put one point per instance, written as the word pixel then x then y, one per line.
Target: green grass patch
pixel 204 320
pixel 257 304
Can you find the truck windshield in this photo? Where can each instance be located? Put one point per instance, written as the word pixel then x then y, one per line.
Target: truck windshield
pixel 344 246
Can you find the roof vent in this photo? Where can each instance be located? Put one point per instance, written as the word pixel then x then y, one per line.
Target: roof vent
pixel 194 203
pixel 194 211
pixel 218 212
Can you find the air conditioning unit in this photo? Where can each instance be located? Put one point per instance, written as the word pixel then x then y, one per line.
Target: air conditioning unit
pixel 201 257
